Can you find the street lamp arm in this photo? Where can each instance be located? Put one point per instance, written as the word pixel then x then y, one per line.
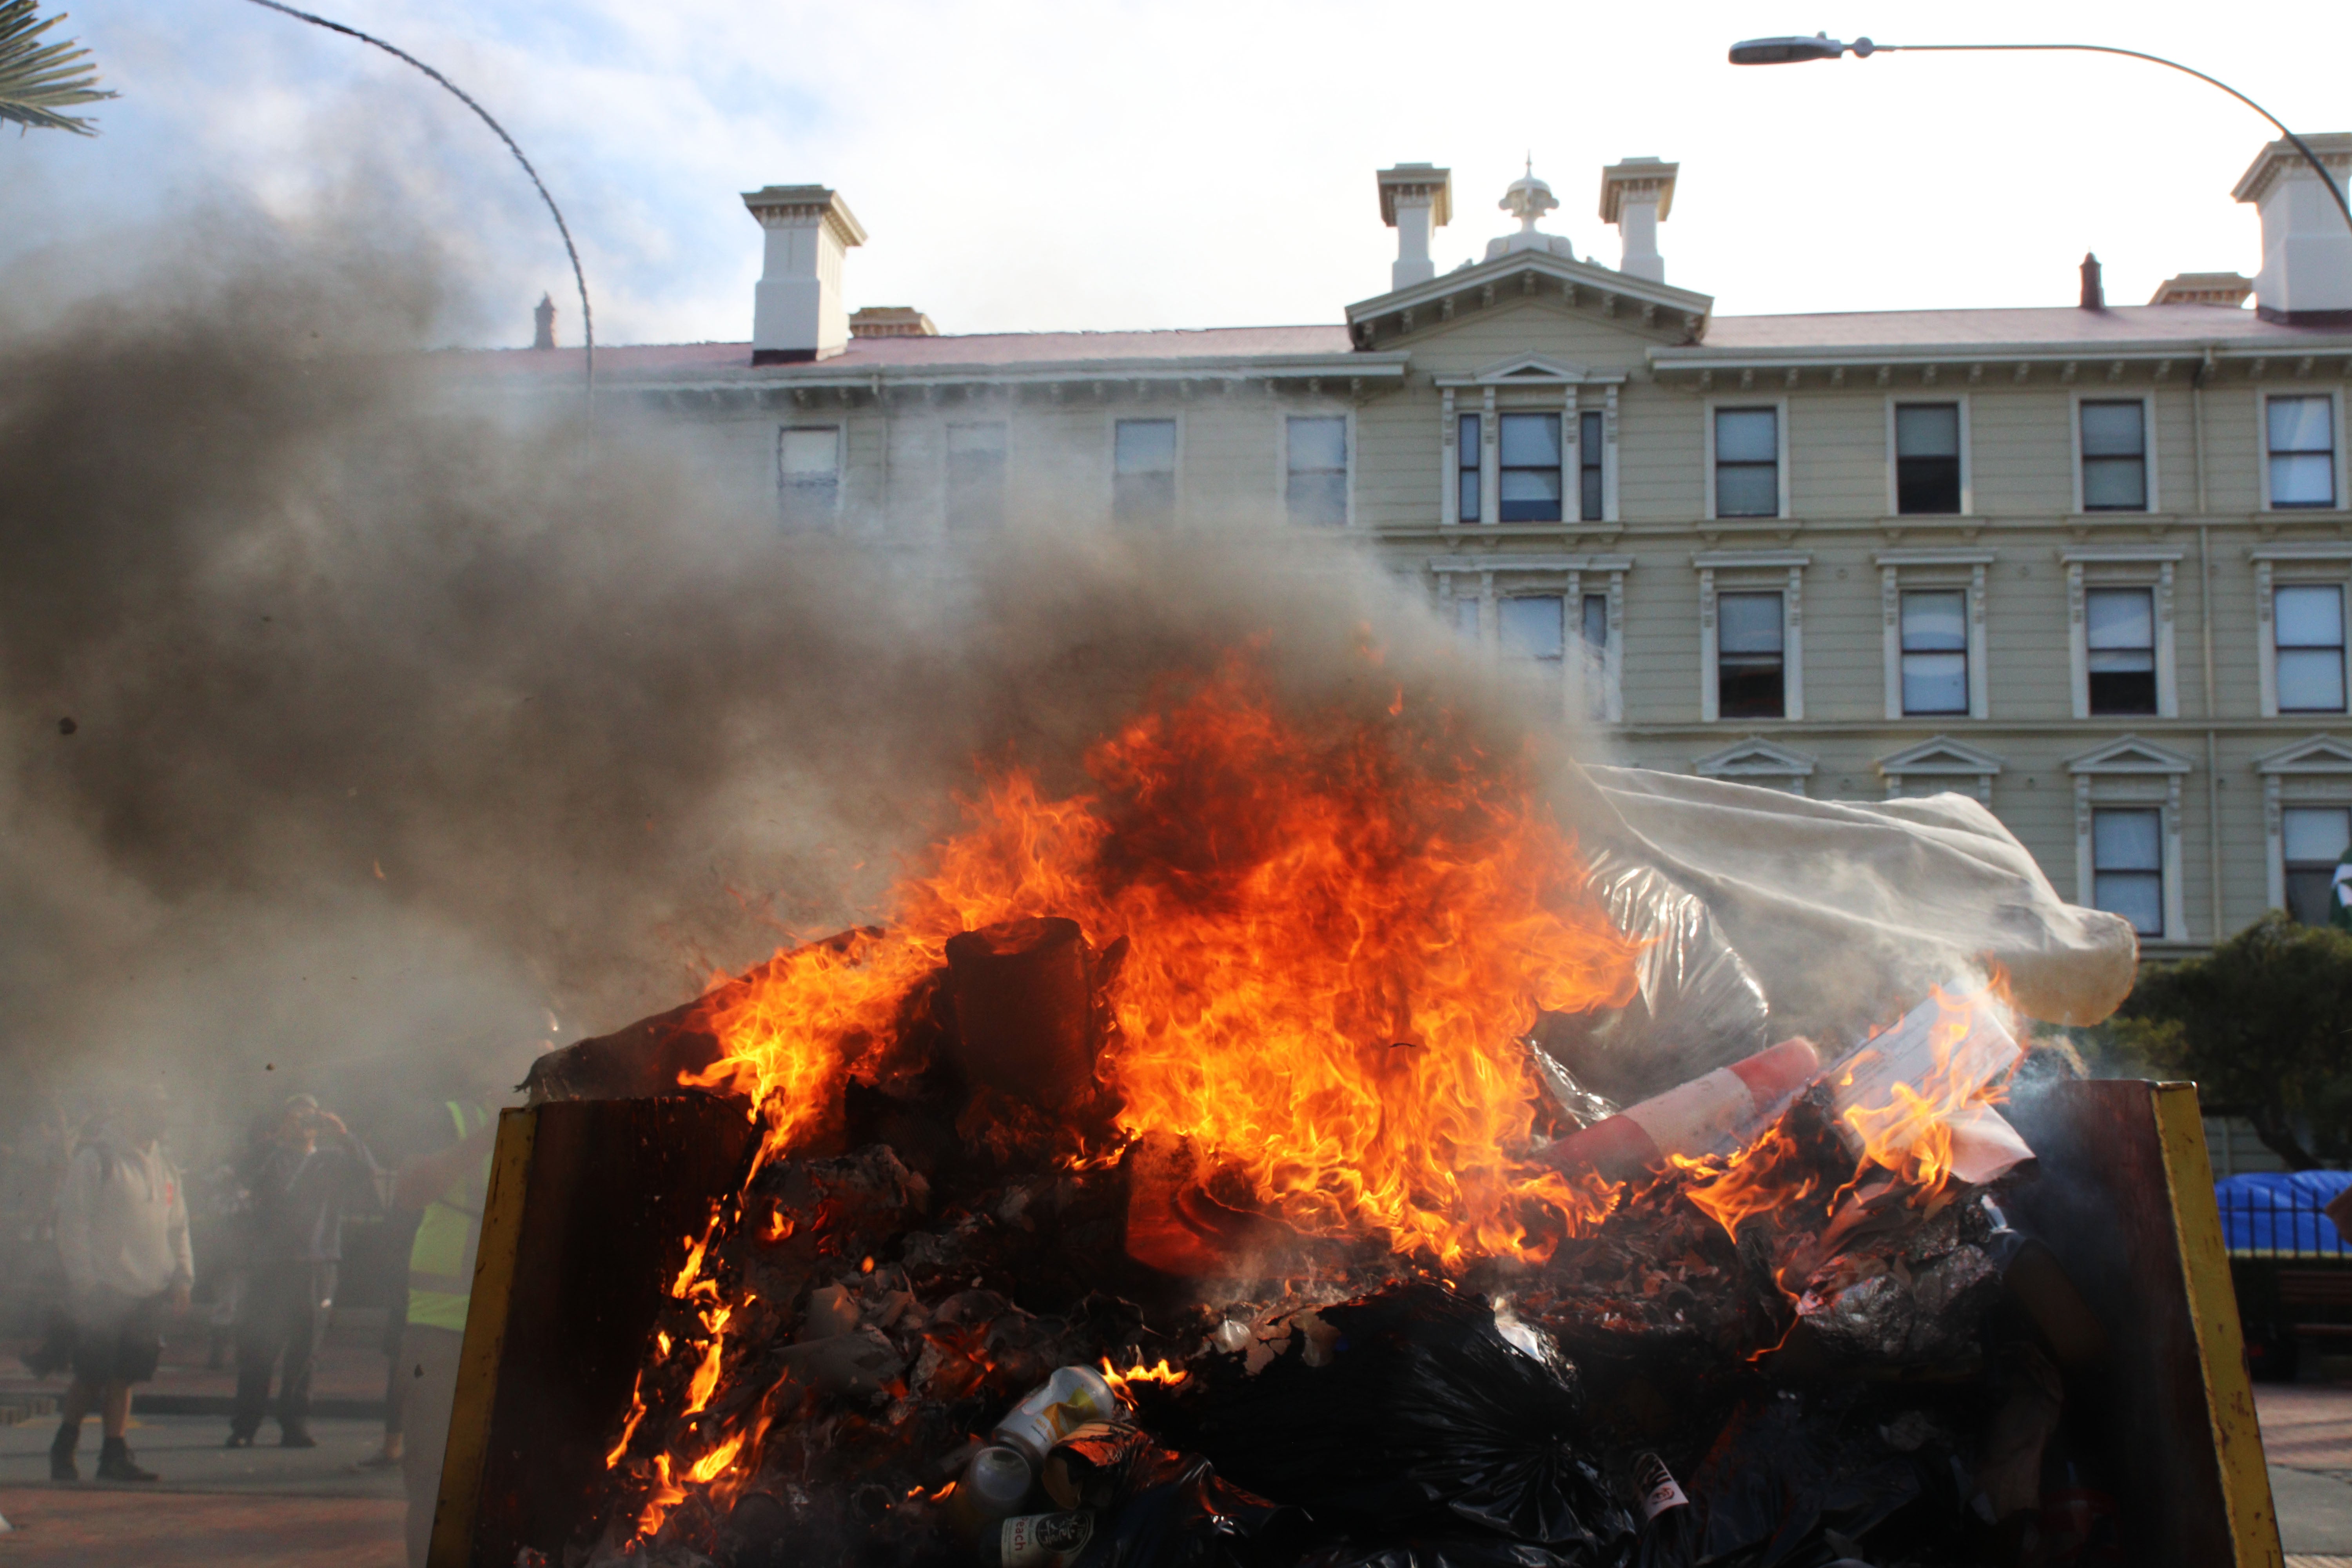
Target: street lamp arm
pixel 2326 181
pixel 587 320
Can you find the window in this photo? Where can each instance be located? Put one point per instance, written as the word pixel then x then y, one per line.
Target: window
pixel 1926 458
pixel 1747 462
pixel 1316 486
pixel 1531 627
pixel 1465 446
pixel 2316 838
pixel 808 475
pixel 2308 625
pixel 1593 654
pixel 1530 471
pixel 2115 457
pixel 1591 502
pixel 1936 651
pixel 1749 648
pixel 976 476
pixel 2120 623
pixel 2128 865
pixel 1143 482
pixel 2302 451
pixel 1465 619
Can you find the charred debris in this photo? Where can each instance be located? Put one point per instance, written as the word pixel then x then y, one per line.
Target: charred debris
pixel 966 1321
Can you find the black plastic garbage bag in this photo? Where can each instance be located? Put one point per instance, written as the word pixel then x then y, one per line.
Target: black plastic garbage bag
pixel 1697 1008
pixel 1407 1413
pixel 1456 1552
pixel 1785 1477
pixel 1172 1510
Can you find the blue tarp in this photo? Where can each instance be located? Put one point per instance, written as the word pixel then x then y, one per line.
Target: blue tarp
pixel 2281 1212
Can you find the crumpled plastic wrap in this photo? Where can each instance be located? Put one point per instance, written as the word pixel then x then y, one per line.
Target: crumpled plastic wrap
pixel 1697 1005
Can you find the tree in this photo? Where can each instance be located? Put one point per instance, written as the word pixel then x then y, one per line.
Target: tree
pixel 36 80
pixel 2263 1024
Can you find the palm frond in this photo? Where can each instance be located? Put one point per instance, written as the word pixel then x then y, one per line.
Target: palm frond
pixel 39 79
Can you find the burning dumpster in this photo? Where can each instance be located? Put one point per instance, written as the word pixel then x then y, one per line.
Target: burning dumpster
pixel 1300 1151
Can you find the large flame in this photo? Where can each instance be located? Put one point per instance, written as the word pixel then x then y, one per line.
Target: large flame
pixel 1341 927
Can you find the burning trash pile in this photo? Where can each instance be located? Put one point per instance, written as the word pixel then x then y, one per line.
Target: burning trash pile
pixel 1294 1151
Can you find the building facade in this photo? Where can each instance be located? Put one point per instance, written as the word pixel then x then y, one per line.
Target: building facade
pixel 2089 563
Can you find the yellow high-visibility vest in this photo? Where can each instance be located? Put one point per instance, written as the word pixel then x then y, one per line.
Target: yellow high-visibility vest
pixel 441 1260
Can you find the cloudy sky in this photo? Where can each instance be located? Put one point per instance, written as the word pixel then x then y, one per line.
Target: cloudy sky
pixel 1029 164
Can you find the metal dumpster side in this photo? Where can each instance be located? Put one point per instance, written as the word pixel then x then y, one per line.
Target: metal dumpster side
pixel 589 1201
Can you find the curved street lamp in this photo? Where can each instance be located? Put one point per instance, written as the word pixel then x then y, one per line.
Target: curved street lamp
pixel 1821 47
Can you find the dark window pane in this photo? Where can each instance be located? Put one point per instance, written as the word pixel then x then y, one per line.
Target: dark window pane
pixel 1531 476
pixel 1936 621
pixel 2115 484
pixel 1319 443
pixel 2309 616
pixel 1143 487
pixel 1935 683
pixel 1530 495
pixel 1467 439
pixel 1319 501
pixel 1317 493
pixel 2138 896
pixel 2120 619
pixel 2114 458
pixel 2112 430
pixel 2311 681
pixel 2302 451
pixel 1926 486
pixel 1590 502
pixel 2315 835
pixel 2310 892
pixel 2302 478
pixel 1749 688
pixel 2123 691
pixel 1596 621
pixel 2127 860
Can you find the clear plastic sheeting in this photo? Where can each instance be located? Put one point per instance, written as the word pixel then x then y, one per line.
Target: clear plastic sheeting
pixel 1697 1005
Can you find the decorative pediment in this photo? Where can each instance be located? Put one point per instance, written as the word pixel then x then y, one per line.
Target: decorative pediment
pixel 1529 370
pixel 1755 757
pixel 1659 311
pixel 2316 754
pixel 1940 756
pixel 2130 755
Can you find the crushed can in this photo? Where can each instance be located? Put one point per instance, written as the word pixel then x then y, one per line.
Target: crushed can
pixel 1073 1397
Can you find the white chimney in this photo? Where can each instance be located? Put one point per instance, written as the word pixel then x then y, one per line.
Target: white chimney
pixel 2307 276
pixel 797 312
pixel 1636 196
pixel 1414 199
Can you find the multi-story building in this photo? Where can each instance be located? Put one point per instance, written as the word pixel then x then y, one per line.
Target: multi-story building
pixel 2088 563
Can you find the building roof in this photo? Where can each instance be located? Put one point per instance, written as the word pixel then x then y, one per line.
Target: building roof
pixel 2052 326
pixel 2052 330
pixel 978 351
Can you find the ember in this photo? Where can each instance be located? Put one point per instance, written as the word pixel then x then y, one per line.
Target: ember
pixel 1177 1175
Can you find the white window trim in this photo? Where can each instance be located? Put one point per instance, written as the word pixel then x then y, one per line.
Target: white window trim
pixel 2315 770
pixel 2263 449
pixel 1110 462
pixel 1968 467
pixel 2121 568
pixel 1749 568
pixel 1935 569
pixel 1781 428
pixel 1569 576
pixel 2312 564
pixel 1449 475
pixel 1339 411
pixel 2147 401
pixel 840 429
pixel 1941 757
pixel 968 417
pixel 2129 773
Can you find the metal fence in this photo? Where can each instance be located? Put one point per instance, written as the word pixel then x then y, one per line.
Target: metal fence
pixel 2272 1222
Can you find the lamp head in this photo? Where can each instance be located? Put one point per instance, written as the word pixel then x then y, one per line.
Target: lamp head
pixel 1795 51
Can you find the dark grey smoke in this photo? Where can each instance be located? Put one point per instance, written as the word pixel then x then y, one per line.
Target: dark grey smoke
pixel 397 724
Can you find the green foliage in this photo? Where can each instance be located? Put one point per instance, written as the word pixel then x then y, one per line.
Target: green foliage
pixel 39 79
pixel 2263 1024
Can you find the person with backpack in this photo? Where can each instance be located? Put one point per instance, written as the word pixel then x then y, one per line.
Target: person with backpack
pixel 122 1237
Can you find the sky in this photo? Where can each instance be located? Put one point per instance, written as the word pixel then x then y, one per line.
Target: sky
pixel 1038 164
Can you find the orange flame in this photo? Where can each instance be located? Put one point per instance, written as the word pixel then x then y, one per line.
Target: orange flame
pixel 717 1459
pixel 1138 1373
pixel 1341 929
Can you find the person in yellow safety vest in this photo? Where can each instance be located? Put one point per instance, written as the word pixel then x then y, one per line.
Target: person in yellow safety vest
pixel 449 1188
